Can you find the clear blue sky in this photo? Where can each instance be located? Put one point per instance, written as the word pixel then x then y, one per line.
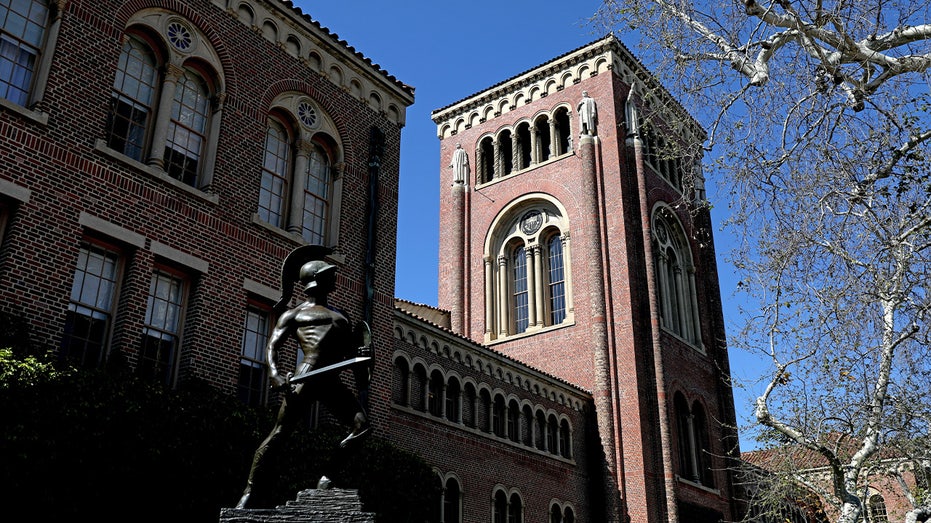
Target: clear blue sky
pixel 448 51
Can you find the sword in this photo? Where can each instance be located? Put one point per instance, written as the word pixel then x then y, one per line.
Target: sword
pixel 300 378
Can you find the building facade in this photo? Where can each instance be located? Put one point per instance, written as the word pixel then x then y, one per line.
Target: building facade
pixel 576 241
pixel 159 159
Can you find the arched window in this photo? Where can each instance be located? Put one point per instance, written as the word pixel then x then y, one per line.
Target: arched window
pixel 540 431
pixel 301 181
pixel 132 99
pixel 453 397
pixel 552 435
pixel 556 280
pixel 22 36
pixel 452 494
pixel 500 510
pixel 497 416
pixel 401 385
pixel 519 298
pixel 164 99
pixel 316 196
pixel 513 427
pixel 526 272
pixel 694 443
pixel 675 277
pixel 435 394
pixel 515 509
pixel 565 440
pixel 469 406
pixel 555 514
pixel 276 167
pixel 187 130
pixel 878 509
pixel 486 160
pixel 544 149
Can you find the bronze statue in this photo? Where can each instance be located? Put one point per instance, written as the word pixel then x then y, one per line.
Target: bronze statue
pixel 324 334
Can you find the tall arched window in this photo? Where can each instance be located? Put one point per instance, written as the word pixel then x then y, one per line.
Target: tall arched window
pixel 316 196
pixel 435 394
pixel 513 427
pixel 187 130
pixel 275 168
pixel 453 397
pixel 695 454
pixel 301 180
pixel 452 495
pixel 500 509
pixel 527 277
pixel 401 385
pixel 519 288
pixel 556 280
pixel 166 93
pixel 515 509
pixel 22 35
pixel 675 277
pixel 132 99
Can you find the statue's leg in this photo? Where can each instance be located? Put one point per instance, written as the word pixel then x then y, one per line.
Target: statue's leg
pixel 291 411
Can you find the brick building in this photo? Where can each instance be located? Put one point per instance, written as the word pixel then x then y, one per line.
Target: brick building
pixel 160 158
pixel 566 245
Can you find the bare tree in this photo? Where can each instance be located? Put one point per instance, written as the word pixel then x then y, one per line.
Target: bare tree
pixel 819 117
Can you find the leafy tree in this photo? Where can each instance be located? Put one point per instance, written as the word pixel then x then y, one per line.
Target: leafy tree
pixel 820 134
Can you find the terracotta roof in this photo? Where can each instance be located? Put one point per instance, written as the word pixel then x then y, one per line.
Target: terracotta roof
pixel 415 310
pixel 342 43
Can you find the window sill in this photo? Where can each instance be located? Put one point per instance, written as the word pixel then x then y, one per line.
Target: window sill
pixel 101 147
pixel 535 166
pixel 698 486
pixel 568 322
pixel 700 347
pixel 35 116
pixel 294 237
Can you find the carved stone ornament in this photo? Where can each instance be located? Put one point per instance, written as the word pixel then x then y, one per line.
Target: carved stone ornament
pixel 531 222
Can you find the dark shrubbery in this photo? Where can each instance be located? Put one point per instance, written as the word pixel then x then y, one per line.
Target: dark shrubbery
pixel 107 446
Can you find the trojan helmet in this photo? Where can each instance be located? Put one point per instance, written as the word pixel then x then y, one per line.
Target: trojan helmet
pixel 311 270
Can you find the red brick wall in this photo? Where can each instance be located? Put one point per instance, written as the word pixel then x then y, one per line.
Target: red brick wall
pixel 58 163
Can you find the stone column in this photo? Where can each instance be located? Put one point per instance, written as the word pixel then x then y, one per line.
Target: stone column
pixel 531 286
pixel 163 118
pixel 298 184
pixel 489 296
pixel 540 284
pixel 553 139
pixel 502 296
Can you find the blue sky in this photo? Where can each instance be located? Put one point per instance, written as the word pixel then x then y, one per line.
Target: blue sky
pixel 448 51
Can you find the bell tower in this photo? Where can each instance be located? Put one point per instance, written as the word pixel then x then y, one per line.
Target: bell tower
pixel 573 237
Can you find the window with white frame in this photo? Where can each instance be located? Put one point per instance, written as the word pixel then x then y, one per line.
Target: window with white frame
pixel 165 95
pixel 253 368
pixel 675 277
pixel 507 509
pixel 527 284
pixel 300 181
pixel 91 306
pixel 23 25
pixel 161 333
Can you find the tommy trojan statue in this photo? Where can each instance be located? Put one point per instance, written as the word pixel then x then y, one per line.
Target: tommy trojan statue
pixel 329 344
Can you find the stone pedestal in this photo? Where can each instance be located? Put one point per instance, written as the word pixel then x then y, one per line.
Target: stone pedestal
pixel 316 505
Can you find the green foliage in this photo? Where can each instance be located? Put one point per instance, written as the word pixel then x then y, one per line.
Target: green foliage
pixel 105 445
